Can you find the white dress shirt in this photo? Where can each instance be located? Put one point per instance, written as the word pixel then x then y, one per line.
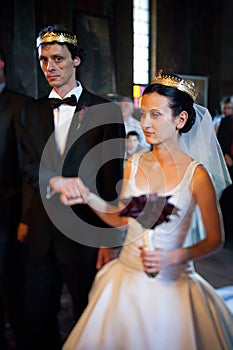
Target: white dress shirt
pixel 63 116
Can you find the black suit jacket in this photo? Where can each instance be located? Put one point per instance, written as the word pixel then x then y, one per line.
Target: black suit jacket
pixel 225 137
pixel 11 104
pixel 225 134
pixel 94 152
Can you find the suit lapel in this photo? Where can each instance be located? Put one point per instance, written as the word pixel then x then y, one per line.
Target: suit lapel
pixel 46 117
pixel 77 126
pixel 84 100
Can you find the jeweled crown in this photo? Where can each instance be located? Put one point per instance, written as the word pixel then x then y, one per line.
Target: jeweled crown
pixel 50 37
pixel 187 86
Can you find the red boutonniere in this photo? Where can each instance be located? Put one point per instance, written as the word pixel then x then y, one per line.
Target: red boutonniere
pixel 81 114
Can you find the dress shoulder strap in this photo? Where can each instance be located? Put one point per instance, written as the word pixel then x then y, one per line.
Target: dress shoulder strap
pixel 187 178
pixel 134 165
pixel 131 188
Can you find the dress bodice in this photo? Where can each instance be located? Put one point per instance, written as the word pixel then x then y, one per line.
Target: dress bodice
pixel 168 235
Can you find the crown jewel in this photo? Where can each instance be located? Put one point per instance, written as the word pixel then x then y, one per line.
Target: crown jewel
pixel 50 37
pixel 187 86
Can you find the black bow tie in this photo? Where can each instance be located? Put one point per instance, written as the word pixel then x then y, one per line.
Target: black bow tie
pixel 56 102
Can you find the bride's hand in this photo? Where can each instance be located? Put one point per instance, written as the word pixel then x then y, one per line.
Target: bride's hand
pixel 151 260
pixel 159 259
pixel 78 193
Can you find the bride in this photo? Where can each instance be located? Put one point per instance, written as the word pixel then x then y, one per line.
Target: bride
pixel 153 299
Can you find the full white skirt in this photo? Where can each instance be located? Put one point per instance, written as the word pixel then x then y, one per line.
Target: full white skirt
pixel 177 310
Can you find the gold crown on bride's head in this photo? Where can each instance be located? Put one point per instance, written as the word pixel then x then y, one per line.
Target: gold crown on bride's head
pixel 187 86
pixel 50 37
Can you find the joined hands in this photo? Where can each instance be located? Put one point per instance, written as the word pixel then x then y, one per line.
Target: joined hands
pixel 72 190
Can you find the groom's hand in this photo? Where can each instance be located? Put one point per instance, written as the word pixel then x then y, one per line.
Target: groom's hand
pixel 72 190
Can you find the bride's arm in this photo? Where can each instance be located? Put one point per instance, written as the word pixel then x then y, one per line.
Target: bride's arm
pixel 107 212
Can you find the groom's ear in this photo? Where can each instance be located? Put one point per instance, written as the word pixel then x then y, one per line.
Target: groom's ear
pixel 77 61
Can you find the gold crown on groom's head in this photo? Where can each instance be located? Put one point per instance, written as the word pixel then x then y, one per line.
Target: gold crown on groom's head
pixel 187 86
pixel 51 37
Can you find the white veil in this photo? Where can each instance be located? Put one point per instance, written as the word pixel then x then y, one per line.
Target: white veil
pixel 201 144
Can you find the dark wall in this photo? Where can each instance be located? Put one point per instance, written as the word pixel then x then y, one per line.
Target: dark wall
pixel 195 38
pixel 20 22
pixel 192 37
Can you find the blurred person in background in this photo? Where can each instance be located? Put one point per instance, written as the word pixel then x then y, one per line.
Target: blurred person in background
pixel 133 144
pixel 225 138
pixel 131 123
pixel 226 108
pixel 13 253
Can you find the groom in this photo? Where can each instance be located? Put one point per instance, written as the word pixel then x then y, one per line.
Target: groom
pixel 59 141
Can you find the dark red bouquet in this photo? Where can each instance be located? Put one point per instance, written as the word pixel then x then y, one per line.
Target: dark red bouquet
pixel 150 210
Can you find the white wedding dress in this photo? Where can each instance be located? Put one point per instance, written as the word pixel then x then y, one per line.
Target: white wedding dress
pixel 176 310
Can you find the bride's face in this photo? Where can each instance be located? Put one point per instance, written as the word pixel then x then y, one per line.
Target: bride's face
pixel 157 121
